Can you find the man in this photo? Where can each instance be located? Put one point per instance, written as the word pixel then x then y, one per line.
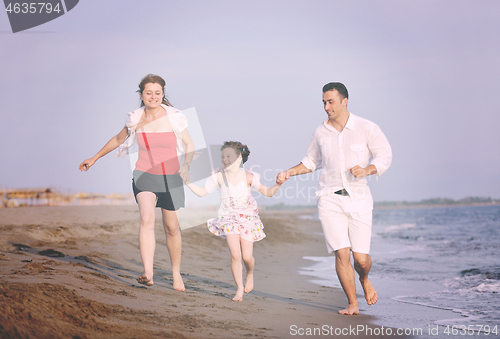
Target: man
pixel 348 149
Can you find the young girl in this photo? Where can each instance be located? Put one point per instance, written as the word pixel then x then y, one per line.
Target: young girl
pixel 238 220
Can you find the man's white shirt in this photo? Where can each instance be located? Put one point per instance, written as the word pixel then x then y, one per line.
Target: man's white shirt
pixel 361 143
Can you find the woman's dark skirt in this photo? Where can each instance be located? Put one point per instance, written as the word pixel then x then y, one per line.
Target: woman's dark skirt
pixel 168 188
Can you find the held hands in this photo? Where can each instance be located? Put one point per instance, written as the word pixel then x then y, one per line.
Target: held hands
pixel 86 164
pixel 282 177
pixel 184 173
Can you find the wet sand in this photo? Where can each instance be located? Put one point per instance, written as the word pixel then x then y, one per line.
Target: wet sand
pixel 69 272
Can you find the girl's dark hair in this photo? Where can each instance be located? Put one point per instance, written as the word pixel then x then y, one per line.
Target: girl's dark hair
pixel 239 149
pixel 154 79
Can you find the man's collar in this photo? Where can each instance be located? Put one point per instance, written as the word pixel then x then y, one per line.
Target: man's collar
pixel 350 124
pixel 351 121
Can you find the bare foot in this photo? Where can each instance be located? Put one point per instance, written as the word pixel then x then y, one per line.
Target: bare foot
pixel 249 283
pixel 178 283
pixel 143 279
pixel 238 296
pixel 370 292
pixel 352 309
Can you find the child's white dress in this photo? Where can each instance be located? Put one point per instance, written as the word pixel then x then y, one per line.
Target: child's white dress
pixel 238 212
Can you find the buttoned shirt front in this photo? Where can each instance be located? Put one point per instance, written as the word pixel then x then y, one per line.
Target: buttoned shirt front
pixel 361 143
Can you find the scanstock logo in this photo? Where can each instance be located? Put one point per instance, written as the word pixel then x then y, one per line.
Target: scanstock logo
pixel 24 14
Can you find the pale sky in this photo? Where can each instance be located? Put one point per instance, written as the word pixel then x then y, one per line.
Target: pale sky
pixel 427 72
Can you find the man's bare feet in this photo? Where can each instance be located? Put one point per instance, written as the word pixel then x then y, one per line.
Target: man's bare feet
pixel 239 295
pixel 178 283
pixel 352 309
pixel 370 292
pixel 249 283
pixel 143 279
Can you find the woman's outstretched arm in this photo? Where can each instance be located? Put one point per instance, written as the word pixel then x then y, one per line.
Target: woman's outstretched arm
pixel 112 144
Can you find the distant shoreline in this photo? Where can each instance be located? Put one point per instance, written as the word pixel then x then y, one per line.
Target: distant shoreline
pixel 15 198
pixel 428 203
pixel 417 205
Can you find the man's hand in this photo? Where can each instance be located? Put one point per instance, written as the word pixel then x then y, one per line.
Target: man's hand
pixel 282 177
pixel 360 172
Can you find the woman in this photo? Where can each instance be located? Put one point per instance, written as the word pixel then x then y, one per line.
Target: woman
pixel 161 136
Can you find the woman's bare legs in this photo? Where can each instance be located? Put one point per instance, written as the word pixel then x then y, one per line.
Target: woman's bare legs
pixel 248 259
pixel 147 241
pixel 174 245
pixel 233 242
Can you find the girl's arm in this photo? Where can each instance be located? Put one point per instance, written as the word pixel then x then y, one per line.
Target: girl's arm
pixel 112 144
pixel 211 184
pixel 269 191
pixel 199 191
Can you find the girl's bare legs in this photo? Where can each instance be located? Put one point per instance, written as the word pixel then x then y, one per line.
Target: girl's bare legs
pixel 174 245
pixel 147 241
pixel 248 259
pixel 233 242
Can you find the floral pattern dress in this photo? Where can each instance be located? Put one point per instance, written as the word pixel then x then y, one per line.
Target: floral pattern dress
pixel 238 212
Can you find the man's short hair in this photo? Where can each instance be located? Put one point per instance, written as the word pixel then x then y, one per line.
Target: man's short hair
pixel 337 86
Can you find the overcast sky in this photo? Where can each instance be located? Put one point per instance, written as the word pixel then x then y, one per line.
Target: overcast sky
pixel 427 72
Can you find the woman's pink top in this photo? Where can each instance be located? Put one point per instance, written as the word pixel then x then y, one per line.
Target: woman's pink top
pixel 157 153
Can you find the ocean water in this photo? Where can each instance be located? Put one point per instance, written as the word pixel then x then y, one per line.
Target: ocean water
pixel 444 258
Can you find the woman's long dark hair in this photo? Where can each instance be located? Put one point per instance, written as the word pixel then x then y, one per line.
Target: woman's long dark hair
pixel 154 79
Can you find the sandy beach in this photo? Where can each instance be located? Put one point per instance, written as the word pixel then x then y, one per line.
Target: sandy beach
pixel 69 272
